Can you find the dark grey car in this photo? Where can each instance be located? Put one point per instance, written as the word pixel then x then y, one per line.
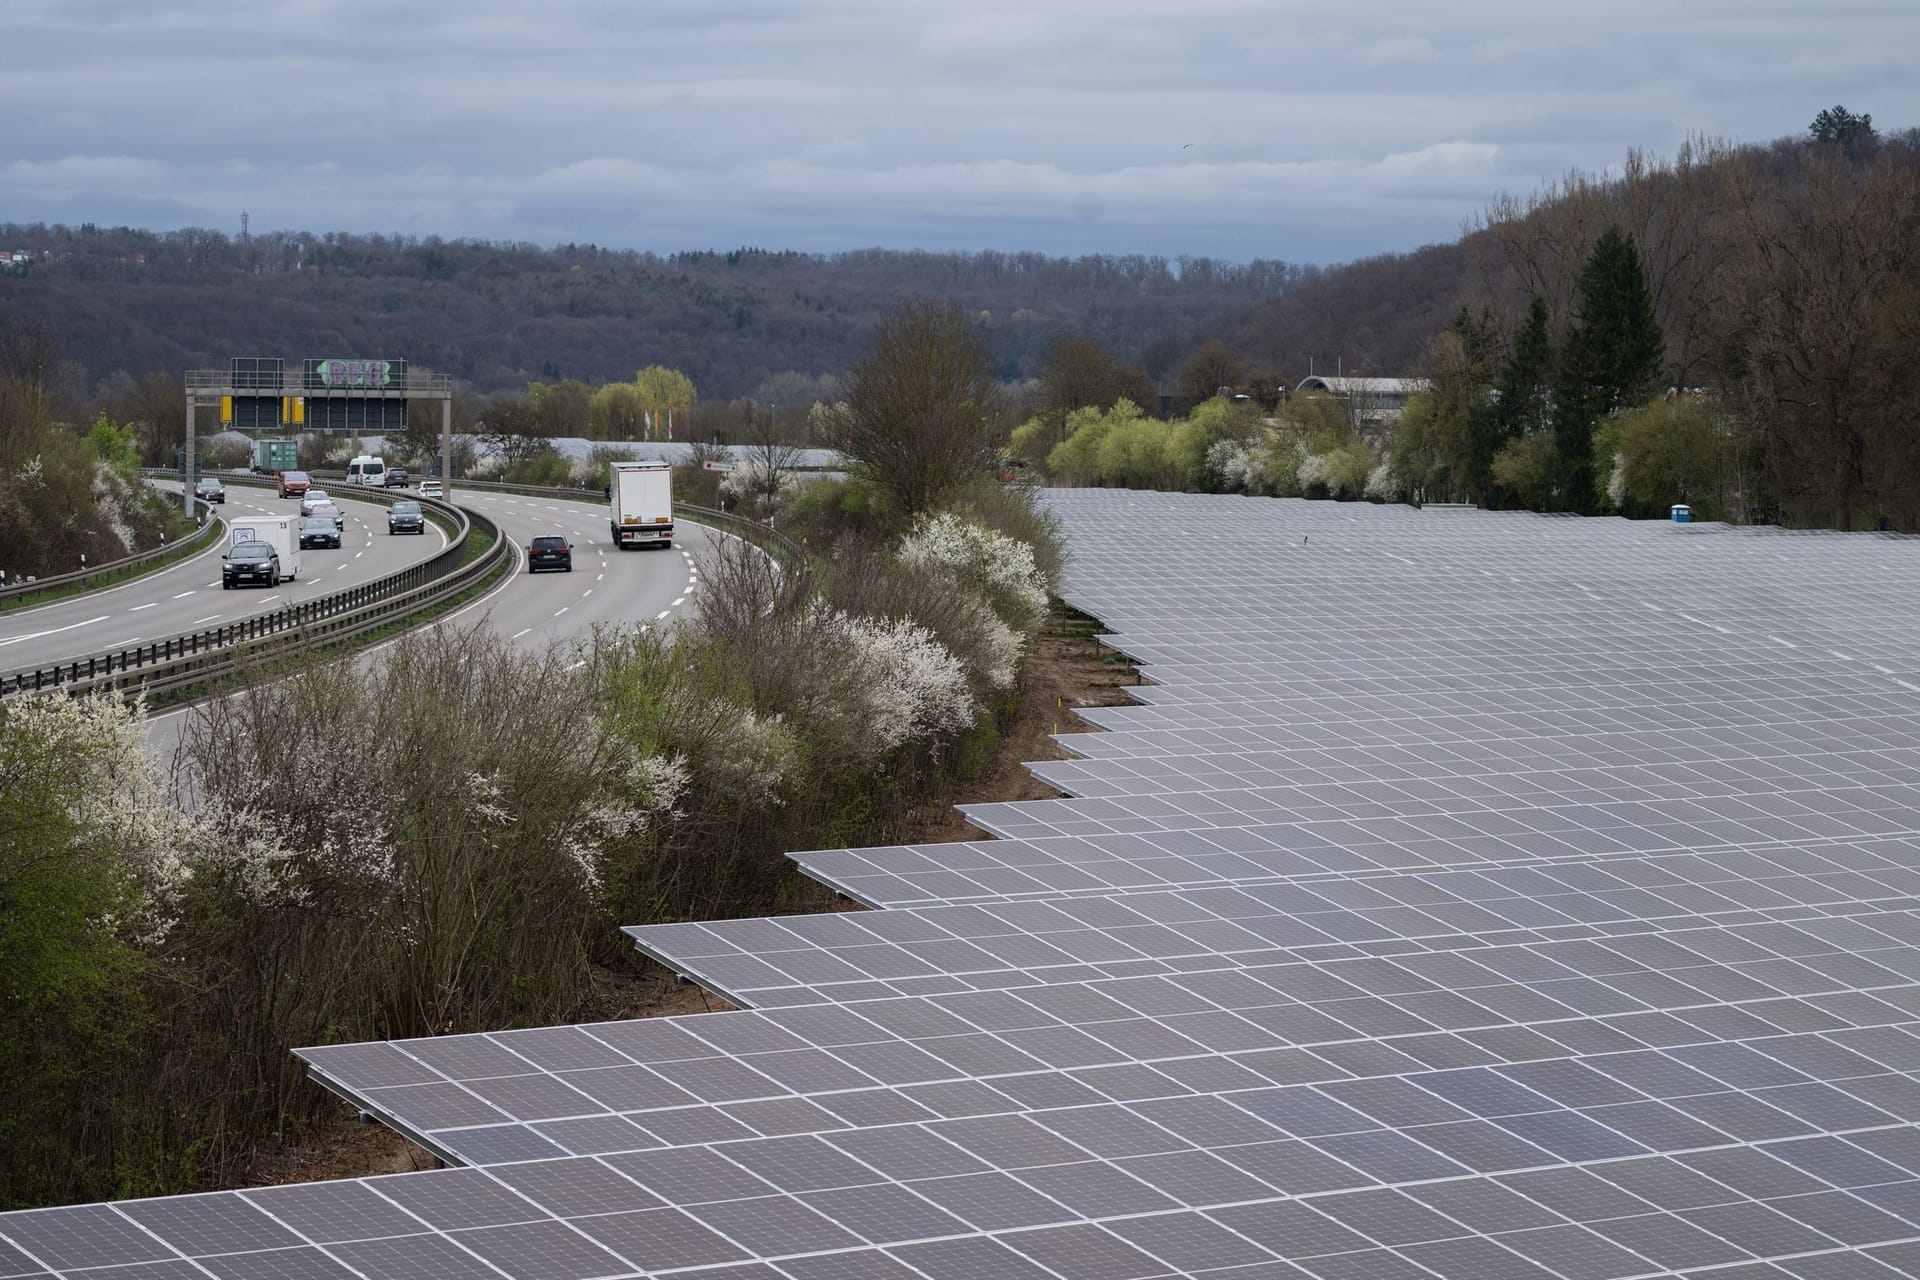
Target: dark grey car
pixel 405 517
pixel 211 490
pixel 320 531
pixel 250 562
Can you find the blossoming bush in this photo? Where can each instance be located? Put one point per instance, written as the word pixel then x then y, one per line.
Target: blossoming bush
pixel 1002 567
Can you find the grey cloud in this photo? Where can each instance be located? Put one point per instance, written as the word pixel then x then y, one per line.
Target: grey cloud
pixel 1227 127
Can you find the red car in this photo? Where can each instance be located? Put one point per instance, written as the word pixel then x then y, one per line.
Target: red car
pixel 549 551
pixel 294 484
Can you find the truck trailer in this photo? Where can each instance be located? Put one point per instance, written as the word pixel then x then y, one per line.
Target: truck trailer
pixel 641 496
pixel 271 457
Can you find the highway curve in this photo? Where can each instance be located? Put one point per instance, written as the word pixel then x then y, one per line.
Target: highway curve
pixel 187 596
pixel 607 585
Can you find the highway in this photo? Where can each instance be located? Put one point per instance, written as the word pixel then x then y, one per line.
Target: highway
pixel 607 585
pixel 188 597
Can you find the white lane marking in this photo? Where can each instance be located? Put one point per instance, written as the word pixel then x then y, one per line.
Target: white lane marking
pixel 598 576
pixel 562 609
pixel 270 599
pixel 662 614
pixel 54 631
pixel 587 592
pixel 505 582
pixel 522 631
pixel 212 617
pixel 132 640
pixel 677 603
pixel 311 581
pixel 184 594
pixel 151 604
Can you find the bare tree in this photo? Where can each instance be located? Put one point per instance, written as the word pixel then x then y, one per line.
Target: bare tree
pixel 1815 318
pixel 512 430
pixel 1078 373
pixel 922 406
pixel 768 463
pixel 1208 371
pixel 30 378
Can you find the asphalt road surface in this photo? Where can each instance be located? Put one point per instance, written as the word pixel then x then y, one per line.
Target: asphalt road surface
pixel 607 585
pixel 187 597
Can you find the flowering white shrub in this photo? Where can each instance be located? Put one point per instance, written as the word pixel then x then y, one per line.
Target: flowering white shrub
pixel 1617 480
pixel 110 499
pixel 1313 470
pixel 253 855
pixel 1229 465
pixel 122 806
pixel 491 467
pixel 1382 484
pixel 1005 567
pixel 760 752
pixel 1004 647
pixel 914 687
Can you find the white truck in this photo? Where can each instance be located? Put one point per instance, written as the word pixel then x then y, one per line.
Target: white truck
pixel 280 532
pixel 641 497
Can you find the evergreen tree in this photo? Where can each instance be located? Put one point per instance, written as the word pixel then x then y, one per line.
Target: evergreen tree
pixel 1611 360
pixel 1521 408
pixel 1839 125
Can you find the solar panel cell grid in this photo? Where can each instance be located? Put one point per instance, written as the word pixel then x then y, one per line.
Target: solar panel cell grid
pixel 1466 895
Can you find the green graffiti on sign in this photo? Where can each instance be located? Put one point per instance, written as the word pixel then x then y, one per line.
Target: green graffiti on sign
pixel 354 373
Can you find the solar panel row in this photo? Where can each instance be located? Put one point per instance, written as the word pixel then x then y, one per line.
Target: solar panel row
pixel 1470 896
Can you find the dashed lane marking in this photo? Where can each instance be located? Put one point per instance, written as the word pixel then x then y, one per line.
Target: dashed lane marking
pixel 151 604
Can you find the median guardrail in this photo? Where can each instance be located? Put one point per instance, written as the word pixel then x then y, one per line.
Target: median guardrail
pixel 62 583
pixel 203 657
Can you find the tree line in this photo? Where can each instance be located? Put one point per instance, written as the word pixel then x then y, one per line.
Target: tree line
pixel 1728 328
pixel 499 316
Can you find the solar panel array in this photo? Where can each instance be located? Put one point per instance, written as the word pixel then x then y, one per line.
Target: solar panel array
pixel 1469 895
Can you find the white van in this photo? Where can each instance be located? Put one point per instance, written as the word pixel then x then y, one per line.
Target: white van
pixel 367 469
pixel 280 532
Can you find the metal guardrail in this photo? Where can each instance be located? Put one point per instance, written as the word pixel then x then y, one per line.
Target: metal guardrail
pixel 204 656
pixel 113 568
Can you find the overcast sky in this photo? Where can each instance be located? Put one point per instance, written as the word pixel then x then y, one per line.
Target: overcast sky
pixel 1228 128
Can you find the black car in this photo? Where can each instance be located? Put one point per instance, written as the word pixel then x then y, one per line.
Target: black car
pixel 320 530
pixel 250 562
pixel 210 490
pixel 549 551
pixel 397 478
pixel 405 517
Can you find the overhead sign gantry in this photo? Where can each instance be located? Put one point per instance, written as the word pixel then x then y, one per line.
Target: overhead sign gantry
pixel 349 395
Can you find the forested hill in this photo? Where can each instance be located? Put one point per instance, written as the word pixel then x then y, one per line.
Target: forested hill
pixel 497 315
